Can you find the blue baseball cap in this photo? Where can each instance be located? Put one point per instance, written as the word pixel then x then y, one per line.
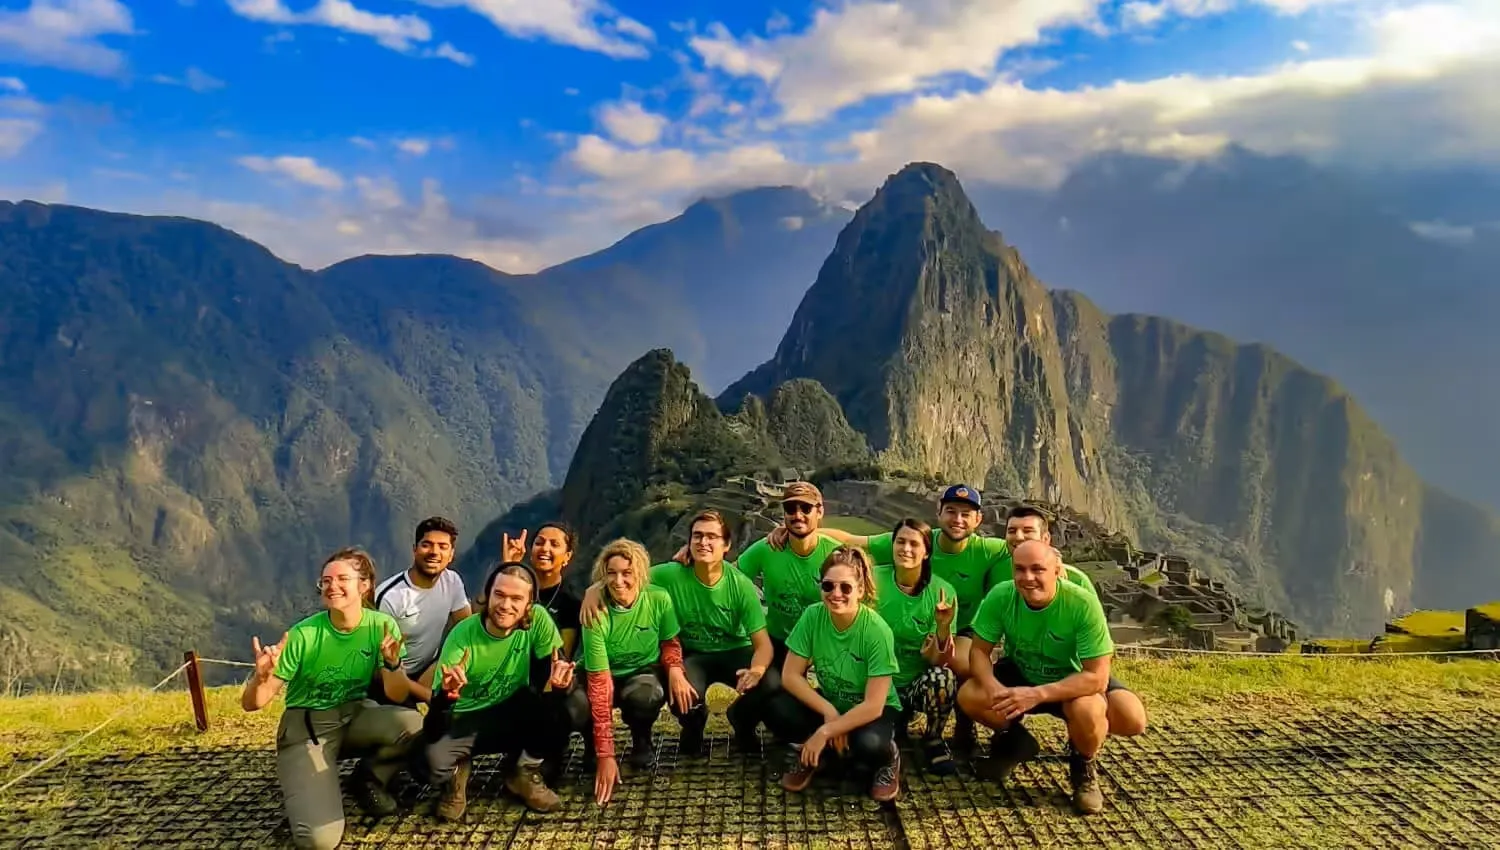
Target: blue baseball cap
pixel 961 493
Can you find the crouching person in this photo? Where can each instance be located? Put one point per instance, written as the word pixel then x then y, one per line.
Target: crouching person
pixel 627 655
pixel 854 710
pixel 492 670
pixel 327 663
pixel 1057 660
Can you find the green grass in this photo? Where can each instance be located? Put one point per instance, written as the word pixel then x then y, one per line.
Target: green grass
pixel 854 525
pixel 1431 623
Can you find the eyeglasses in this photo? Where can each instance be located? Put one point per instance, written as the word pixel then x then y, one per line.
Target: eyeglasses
pixel 844 587
pixel 793 508
pixel 708 536
pixel 325 583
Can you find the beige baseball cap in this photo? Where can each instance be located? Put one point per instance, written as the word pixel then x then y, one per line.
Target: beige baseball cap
pixel 802 491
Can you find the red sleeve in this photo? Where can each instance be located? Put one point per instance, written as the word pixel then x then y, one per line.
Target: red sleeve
pixel 671 653
pixel 601 706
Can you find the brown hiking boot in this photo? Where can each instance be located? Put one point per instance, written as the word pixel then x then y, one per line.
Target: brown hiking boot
pixel 887 784
pixel 798 775
pixel 526 782
pixel 455 797
pixel 1087 797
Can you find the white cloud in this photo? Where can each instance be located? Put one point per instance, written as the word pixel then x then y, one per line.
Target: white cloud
pixel 1301 46
pixel 65 34
pixel 629 122
pixel 16 134
pixel 865 48
pixel 415 147
pixel 1145 13
pixel 302 169
pixel 453 54
pixel 1441 231
pixel 12 84
pixel 361 141
pixel 1432 66
pixel 196 79
pixel 588 24
pixel 397 32
pixel 620 174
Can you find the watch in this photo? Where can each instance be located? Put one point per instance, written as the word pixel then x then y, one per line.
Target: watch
pixel 389 666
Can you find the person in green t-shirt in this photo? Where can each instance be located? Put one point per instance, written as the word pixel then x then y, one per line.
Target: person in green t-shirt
pixel 723 635
pixel 1127 714
pixel 327 663
pixel 855 708
pixel 492 670
pixel 627 656
pixel 1057 660
pixel 919 608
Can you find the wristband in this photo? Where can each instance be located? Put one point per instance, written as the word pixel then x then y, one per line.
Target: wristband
pixel 389 666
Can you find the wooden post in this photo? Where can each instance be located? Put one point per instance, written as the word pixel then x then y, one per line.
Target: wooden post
pixel 195 688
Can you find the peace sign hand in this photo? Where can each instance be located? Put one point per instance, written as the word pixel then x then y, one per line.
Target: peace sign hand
pixel 390 647
pixel 943 611
pixel 454 678
pixel 513 549
pixel 266 657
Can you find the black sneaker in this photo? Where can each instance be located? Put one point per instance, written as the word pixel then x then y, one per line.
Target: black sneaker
pixel 370 795
pixel 1084 776
pixel 939 760
pixel 1008 750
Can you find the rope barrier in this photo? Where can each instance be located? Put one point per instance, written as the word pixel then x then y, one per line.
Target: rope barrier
pixel 89 734
pixel 226 662
pixel 1147 648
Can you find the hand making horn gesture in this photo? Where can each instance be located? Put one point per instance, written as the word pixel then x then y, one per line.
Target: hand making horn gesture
pixel 943 611
pixel 390 647
pixel 454 678
pixel 266 657
pixel 513 549
pixel 562 674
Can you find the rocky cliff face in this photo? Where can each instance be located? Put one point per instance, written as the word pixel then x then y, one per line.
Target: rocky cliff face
pixel 954 361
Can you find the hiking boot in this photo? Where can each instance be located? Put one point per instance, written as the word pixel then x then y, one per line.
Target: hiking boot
pixel 798 775
pixel 455 797
pixel 526 782
pixel 887 782
pixel 370 795
pixel 1084 775
pixel 642 753
pixel 939 760
pixel 1008 750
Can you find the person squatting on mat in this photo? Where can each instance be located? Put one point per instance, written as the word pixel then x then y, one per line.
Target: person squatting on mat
pixel 327 663
pixel 493 669
pixel 627 656
pixel 854 710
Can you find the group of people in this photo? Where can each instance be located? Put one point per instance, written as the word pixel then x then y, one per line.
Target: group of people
pixel 833 642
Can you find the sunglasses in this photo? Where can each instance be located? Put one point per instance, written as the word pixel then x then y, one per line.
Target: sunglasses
pixel 844 587
pixel 791 508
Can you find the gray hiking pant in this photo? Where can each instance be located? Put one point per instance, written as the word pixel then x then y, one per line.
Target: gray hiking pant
pixel 309 745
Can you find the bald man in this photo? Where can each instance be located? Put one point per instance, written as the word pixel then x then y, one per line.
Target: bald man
pixel 1057 661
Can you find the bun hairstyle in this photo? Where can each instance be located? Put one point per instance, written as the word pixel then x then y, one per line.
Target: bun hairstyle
pixel 858 560
pixel 519 570
pixel 364 564
pixel 925 530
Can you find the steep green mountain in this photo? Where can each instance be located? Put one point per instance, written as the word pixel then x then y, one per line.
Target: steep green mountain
pixel 187 423
pixel 968 368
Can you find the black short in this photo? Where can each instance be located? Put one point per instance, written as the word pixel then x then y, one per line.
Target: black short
pixel 1011 676
pixel 965 632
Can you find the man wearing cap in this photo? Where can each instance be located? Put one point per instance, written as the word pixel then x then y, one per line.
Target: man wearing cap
pixel 788 577
pixel 971 563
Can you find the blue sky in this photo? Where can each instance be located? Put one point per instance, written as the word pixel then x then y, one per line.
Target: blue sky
pixel 523 132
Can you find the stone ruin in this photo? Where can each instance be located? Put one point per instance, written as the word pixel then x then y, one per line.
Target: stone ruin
pixel 1135 586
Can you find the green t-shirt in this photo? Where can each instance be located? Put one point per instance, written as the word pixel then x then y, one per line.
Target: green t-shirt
pixel 1050 644
pixel 984 563
pixel 845 660
pixel 626 640
pixel 911 618
pixel 498 667
pixel 713 619
pixel 1080 578
pixel 324 667
pixel 789 580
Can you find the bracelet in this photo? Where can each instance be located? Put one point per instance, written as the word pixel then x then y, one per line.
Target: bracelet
pixel 391 667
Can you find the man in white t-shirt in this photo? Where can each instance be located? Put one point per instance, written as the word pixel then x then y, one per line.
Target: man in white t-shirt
pixel 427 600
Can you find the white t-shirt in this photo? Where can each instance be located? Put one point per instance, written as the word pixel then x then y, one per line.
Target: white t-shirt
pixel 422 613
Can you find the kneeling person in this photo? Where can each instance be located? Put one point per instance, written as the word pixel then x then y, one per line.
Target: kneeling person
pixel 624 654
pixel 1057 660
pixel 854 708
pixel 492 668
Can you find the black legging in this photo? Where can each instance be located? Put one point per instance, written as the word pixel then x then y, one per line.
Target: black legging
pixel 793 722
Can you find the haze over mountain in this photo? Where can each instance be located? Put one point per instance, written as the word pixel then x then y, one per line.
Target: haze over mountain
pixel 1329 267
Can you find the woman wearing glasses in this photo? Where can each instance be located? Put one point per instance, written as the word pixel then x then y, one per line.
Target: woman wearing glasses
pixel 855 709
pixel 326 662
